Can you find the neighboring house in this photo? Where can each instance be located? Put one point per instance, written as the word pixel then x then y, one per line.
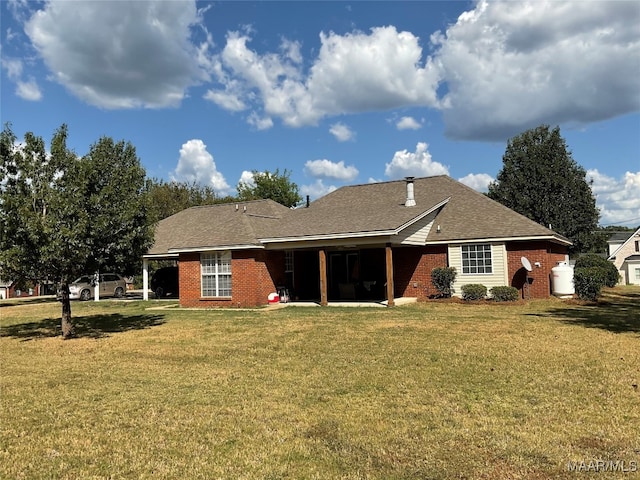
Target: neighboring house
pixel 365 242
pixel 8 289
pixel 624 252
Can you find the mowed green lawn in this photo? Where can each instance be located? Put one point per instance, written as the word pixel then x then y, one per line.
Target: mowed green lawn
pixel 432 390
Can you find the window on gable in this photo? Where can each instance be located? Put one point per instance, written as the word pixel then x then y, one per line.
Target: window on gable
pixel 215 271
pixel 476 259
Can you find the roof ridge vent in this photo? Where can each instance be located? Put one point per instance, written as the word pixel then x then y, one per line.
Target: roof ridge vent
pixel 411 201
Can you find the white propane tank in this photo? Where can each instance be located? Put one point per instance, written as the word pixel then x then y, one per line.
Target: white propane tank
pixel 562 280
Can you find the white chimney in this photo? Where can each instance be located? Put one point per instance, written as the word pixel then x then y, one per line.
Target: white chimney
pixel 411 201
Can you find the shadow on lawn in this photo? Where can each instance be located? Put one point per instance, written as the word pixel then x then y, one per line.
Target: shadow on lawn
pixel 92 326
pixel 617 310
pixel 12 302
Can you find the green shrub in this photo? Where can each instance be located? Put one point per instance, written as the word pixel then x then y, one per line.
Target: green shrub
pixel 588 282
pixel 505 294
pixel 443 278
pixel 474 291
pixel 610 272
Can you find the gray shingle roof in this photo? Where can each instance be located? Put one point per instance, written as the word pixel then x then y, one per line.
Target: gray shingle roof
pixel 223 225
pixel 619 237
pixel 379 207
pixel 369 208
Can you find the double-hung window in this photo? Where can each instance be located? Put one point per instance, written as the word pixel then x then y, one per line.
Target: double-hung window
pixel 215 270
pixel 476 259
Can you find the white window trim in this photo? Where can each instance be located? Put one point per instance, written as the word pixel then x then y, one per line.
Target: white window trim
pixel 219 257
pixel 476 245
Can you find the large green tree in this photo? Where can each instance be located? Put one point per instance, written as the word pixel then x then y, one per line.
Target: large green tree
pixel 62 216
pixel 541 180
pixel 276 186
pixel 168 198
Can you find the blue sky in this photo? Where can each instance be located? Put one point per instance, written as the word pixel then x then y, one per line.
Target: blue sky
pixel 337 93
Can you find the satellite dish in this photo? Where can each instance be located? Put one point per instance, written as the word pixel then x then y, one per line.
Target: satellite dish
pixel 526 263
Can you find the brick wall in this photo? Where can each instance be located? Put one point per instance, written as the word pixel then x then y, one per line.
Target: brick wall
pixel 254 274
pixel 545 253
pixel 412 269
pixel 189 279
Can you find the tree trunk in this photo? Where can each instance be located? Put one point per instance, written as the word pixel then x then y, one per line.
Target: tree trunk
pixel 67 326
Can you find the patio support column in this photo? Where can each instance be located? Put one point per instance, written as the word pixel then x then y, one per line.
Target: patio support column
pixel 145 279
pixel 390 289
pixel 323 277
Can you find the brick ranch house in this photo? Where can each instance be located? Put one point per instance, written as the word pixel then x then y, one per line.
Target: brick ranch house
pixel 370 242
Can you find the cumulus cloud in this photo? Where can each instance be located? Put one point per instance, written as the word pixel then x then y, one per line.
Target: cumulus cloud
pixel 477 181
pixel 13 67
pixel 329 169
pixel 341 132
pixel 617 198
pixel 139 54
pixel 509 66
pixel 28 90
pixel 414 164
pixel 506 66
pixel 408 123
pixel 196 164
pixel 247 178
pixel 25 89
pixel 260 123
pixel 502 67
pixel 317 189
pixel 356 72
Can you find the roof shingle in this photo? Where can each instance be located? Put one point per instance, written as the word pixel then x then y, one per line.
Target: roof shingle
pixel 368 208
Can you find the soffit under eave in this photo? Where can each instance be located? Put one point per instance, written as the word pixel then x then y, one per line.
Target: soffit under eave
pixel 457 241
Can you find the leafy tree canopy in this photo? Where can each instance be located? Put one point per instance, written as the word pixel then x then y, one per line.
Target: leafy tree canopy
pixel 62 216
pixel 168 198
pixel 276 186
pixel 542 181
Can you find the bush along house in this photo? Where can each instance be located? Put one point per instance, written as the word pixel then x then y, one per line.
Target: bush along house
pixel 374 242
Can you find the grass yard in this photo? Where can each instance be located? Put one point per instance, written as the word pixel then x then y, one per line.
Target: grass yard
pixel 433 390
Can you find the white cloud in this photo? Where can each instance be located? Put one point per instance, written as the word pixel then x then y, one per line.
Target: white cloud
pixel 13 66
pixel 329 169
pixel 360 72
pixel 617 199
pixel 228 100
pixel 247 178
pixel 316 190
pixel 505 66
pixel 25 89
pixel 510 65
pixel 270 83
pixel 477 181
pixel 139 54
pixel 356 72
pixel 28 90
pixel 415 164
pixel 264 123
pixel 341 132
pixel 408 123
pixel 196 164
pixel 19 9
